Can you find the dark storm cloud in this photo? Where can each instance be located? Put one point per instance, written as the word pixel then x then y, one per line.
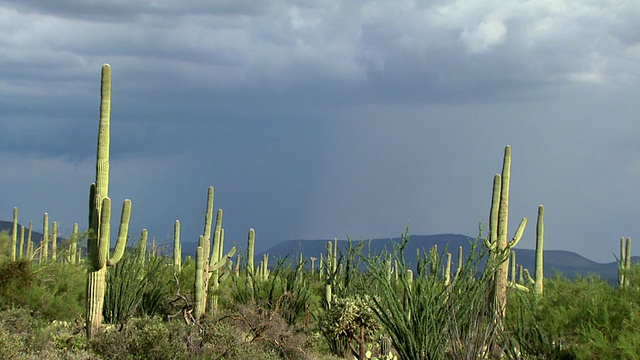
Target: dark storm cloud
pixel 316 120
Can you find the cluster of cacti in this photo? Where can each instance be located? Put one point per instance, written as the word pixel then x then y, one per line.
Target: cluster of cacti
pixel 263 268
pixel 624 263
pixel 209 260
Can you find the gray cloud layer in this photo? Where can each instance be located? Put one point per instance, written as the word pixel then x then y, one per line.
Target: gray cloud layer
pixel 316 120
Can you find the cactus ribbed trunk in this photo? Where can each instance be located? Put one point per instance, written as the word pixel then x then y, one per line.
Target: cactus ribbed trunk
pixel 198 290
pixel 14 234
pixel 177 248
pixel 54 241
pixel 216 256
pixel 29 250
pixel 503 224
pixel 538 286
pixel 21 250
pixel 44 244
pixel 73 247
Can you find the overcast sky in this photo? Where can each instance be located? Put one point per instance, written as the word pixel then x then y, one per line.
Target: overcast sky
pixel 317 119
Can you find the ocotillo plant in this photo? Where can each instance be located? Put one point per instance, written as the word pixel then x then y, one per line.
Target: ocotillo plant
pixel 624 263
pixel 98 242
pixel 498 231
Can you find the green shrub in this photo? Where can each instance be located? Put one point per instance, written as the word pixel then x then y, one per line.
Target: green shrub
pixel 584 318
pixel 427 319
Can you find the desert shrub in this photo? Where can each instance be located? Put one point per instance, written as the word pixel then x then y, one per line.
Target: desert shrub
pixel 267 332
pixel 427 319
pixel 287 291
pixel 23 336
pixel 60 291
pixel 55 291
pixel 137 286
pixel 15 277
pixel 349 321
pixel 139 338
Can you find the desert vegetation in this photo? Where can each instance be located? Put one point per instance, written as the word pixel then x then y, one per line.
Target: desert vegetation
pixel 132 301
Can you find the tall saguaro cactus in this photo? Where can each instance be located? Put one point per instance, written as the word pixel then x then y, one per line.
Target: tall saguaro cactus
pixel 206 267
pixel 14 234
pixel 99 243
pixel 624 263
pixel 177 248
pixel 497 242
pixel 44 244
pixel 538 286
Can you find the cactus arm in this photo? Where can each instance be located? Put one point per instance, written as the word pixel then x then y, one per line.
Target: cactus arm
pixel 208 220
pixel 104 234
pixel 493 214
pixel 519 287
pixel 518 235
pixel 217 237
pixel 123 233
pixel 224 261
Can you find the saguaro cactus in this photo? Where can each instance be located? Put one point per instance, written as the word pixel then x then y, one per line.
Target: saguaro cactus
pixel 207 268
pixel 73 246
pixel 29 250
pixel 177 248
pixel 498 231
pixel 538 286
pixel 54 241
pixel 44 244
pixel 21 249
pixel 98 242
pixel 624 263
pixel 14 234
